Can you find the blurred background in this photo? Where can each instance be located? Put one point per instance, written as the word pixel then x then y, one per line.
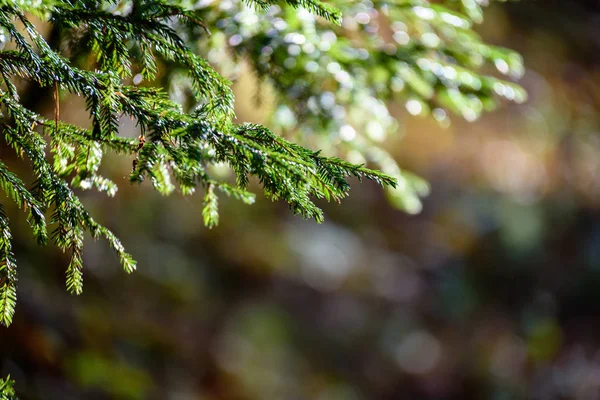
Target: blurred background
pixel 491 292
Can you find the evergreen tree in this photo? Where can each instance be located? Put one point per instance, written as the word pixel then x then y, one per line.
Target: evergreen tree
pixel 154 61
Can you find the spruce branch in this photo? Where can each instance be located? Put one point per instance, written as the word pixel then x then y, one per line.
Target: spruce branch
pixel 176 147
pixel 105 45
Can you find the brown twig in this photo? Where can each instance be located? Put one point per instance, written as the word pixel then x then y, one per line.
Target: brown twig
pixel 56 105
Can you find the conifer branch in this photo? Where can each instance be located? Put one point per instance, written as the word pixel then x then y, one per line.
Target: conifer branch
pixel 179 143
pixel 175 147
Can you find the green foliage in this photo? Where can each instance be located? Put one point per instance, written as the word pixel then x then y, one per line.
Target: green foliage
pixel 175 147
pixel 333 83
pixel 6 389
pixel 332 74
pixel 8 273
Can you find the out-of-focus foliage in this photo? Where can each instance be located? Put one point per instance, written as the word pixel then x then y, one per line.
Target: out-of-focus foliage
pixel 333 84
pixel 7 392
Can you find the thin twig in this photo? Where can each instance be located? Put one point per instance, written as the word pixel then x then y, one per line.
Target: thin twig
pixel 56 105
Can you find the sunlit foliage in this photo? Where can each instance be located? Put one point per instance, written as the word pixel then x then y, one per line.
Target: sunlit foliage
pixel 172 144
pixel 333 83
pixel 331 75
